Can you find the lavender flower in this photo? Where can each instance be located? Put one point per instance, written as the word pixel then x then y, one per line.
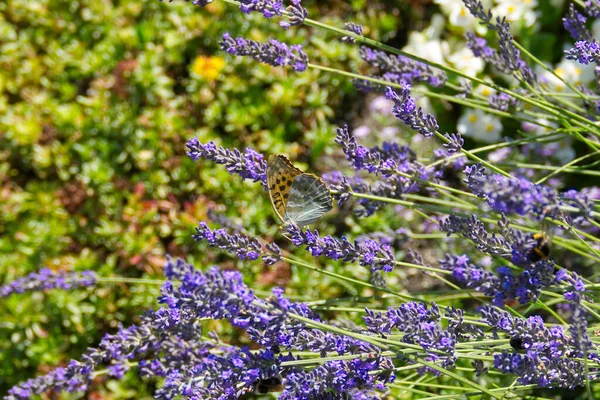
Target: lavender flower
pixel 219 295
pixel 476 9
pixel 502 101
pixel 407 111
pixel 47 279
pixel 369 253
pixel 584 52
pixel 549 359
pixel 574 23
pixel 354 28
pixel 466 88
pixel 522 197
pixel 296 14
pixel 200 3
pixel 162 331
pixel 393 186
pixel 399 69
pixel 243 246
pixel 509 58
pixel 250 165
pixel 509 52
pixel 455 142
pixel 420 326
pixel 386 160
pixel 592 8
pixel 480 49
pixel 273 53
pixel 268 8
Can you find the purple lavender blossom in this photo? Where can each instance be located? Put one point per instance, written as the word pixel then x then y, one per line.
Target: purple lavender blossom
pixel 406 110
pixel 420 326
pixel 250 165
pixel 334 380
pixel 200 3
pixel 478 11
pixel 455 142
pixel 369 253
pixel 585 52
pixel 574 23
pixel 243 246
pixel 592 8
pixel 268 8
pixel 46 279
pixel 393 186
pixel 509 52
pixel 273 52
pixel 466 88
pixel 398 68
pixel 296 14
pixel 480 49
pixel 502 102
pixel 161 331
pixel 385 160
pixel 522 197
pixel 354 28
pixel 550 353
pixel 509 58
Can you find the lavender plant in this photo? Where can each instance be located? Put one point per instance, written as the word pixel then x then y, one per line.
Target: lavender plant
pixel 441 281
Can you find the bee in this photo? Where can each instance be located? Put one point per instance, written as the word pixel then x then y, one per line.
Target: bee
pixel 516 343
pixel 542 239
pixel 268 385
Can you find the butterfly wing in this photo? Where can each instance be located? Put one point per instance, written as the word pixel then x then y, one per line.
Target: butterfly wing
pixel 280 175
pixel 308 200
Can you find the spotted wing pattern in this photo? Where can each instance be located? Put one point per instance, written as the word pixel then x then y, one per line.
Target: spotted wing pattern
pixel 308 200
pixel 280 175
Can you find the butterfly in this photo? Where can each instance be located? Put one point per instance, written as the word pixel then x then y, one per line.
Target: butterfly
pixel 297 197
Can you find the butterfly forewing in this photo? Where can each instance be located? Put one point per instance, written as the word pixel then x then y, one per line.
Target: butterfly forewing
pixel 308 200
pixel 280 176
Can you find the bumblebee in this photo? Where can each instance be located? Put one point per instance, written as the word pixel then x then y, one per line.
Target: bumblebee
pixel 516 343
pixel 268 385
pixel 541 249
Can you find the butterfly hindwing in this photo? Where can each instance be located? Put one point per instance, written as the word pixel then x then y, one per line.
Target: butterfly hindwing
pixel 308 200
pixel 280 176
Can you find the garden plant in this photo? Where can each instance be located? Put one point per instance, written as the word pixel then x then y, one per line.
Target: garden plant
pixel 300 200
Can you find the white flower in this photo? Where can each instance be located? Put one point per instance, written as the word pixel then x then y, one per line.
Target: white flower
pixel 570 71
pixel 484 90
pixel 517 12
pixel 537 129
pixel 480 126
pixel 426 44
pixel 464 61
pixel 564 152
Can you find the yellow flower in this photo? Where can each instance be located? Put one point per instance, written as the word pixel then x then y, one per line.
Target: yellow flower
pixel 208 67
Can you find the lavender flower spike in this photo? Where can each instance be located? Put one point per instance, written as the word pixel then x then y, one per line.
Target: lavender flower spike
pixel 522 197
pixel 250 165
pixel 47 279
pixel 585 52
pixel 243 246
pixel 369 253
pixel 273 52
pixel 269 8
pixel 406 110
pixel 574 23
pixel 354 28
